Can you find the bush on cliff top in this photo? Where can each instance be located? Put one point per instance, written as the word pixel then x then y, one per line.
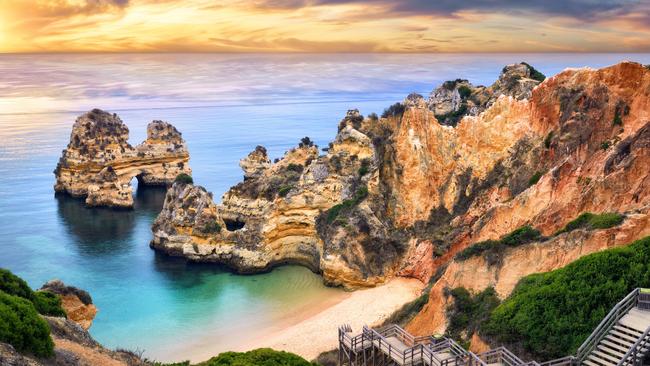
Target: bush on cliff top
pixel 20 324
pixel 46 303
pixel 395 110
pixel 184 179
pixel 23 328
pixel 551 314
pixel 592 221
pixel 535 74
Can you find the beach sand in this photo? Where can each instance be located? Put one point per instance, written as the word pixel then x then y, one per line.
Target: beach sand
pixel 318 332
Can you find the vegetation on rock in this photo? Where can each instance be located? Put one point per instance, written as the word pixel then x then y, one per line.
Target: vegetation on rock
pixel 257 357
pixel 468 312
pixel 592 221
pixel 335 210
pixel 395 110
pixel 545 314
pixel 184 179
pixel 20 323
pixel 493 249
pixel 535 74
pixel 535 178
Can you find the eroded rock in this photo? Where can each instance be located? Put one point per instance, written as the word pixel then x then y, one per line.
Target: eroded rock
pixel 99 162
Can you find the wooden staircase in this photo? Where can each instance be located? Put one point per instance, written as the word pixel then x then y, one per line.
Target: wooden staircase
pixel 623 337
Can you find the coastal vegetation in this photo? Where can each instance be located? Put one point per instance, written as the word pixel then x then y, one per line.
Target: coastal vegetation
pixel 359 196
pixel 395 110
pixel 592 221
pixel 595 283
pixel 493 249
pixel 257 357
pixel 468 312
pixel 20 323
pixel 184 179
pixel 535 74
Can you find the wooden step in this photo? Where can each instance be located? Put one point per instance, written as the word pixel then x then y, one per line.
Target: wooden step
pixel 614 345
pixel 600 362
pixel 611 350
pixel 605 356
pixel 589 363
pixel 623 336
pixel 633 333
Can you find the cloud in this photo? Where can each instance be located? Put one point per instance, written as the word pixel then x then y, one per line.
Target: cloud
pixel 580 9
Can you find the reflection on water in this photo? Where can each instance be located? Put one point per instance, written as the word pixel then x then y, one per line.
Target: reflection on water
pixel 102 231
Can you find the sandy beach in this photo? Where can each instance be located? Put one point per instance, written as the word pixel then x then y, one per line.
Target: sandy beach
pixel 317 333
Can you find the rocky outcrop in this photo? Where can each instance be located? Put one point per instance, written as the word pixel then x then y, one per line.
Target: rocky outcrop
pixel 77 303
pixel 99 162
pixel 455 99
pixel 402 194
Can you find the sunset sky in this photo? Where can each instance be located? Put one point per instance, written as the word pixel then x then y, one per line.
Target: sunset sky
pixel 325 26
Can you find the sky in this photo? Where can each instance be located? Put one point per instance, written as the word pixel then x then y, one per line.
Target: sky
pixel 324 26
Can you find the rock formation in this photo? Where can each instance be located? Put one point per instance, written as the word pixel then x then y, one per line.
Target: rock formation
pixel 99 162
pixel 77 303
pixel 402 194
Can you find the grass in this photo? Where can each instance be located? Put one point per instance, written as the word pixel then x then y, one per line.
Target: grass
pixel 551 314
pixel 335 210
pixel 592 221
pixel 184 179
pixel 493 249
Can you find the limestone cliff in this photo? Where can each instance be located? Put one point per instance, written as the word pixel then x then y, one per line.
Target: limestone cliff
pixel 402 194
pixel 77 303
pixel 99 162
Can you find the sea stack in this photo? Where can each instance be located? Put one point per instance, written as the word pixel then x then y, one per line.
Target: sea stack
pixel 99 162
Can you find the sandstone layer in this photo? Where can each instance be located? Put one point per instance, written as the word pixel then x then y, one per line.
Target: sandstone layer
pixel 99 163
pixel 401 194
pixel 77 303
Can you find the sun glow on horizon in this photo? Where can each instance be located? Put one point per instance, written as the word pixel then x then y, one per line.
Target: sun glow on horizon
pixel 318 26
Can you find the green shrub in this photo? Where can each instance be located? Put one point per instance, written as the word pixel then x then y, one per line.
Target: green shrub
pixel 551 314
pixel 184 179
pixel 476 249
pixel 395 110
pixel 469 311
pixel 493 249
pixel 23 328
pixel 548 139
pixel 617 121
pixel 592 221
pixel 284 190
pixel 46 303
pixel 408 311
pixel 365 167
pixel 535 178
pixel 535 74
pixel 212 227
pixel 295 168
pixel 373 116
pixel 335 210
pixel 605 145
pixel 522 235
pixel 464 91
pixel 258 357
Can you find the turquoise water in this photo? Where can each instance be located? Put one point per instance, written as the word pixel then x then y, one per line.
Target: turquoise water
pixel 225 105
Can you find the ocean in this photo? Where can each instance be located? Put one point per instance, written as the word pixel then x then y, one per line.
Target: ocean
pixel 225 105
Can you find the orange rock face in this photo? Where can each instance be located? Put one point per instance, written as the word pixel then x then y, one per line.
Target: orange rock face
pixel 588 133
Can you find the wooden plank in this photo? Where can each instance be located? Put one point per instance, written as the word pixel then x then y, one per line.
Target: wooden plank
pixel 606 357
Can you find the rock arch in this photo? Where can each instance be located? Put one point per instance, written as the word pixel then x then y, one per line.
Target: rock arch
pixel 99 163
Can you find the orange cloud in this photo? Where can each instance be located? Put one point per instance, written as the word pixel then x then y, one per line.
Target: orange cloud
pixel 319 26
